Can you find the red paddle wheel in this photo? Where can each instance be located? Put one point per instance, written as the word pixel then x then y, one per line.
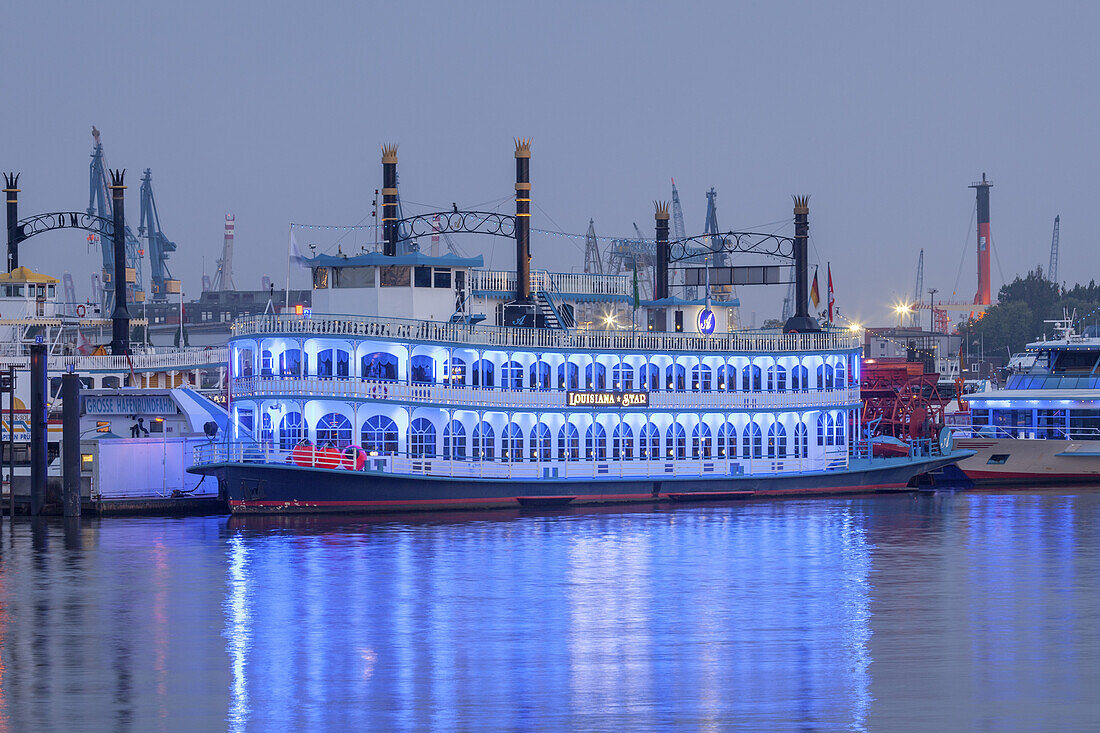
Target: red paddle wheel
pixel 902 398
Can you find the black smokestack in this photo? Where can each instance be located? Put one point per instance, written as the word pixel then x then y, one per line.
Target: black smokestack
pixel 660 282
pixel 523 220
pixel 389 200
pixel 120 329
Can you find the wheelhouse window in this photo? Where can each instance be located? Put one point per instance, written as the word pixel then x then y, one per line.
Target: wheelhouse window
pixel 423 370
pixel 441 278
pixel 422 277
pixel 379 365
pixel 394 276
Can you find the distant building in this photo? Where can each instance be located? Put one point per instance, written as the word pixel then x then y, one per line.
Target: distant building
pixel 939 352
pixel 207 319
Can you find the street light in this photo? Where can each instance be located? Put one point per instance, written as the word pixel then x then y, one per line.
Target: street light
pixel 932 308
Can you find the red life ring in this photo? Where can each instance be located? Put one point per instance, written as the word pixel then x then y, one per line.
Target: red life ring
pixel 80 311
pixel 379 391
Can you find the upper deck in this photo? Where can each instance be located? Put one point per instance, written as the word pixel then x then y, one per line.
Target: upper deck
pixel 463 334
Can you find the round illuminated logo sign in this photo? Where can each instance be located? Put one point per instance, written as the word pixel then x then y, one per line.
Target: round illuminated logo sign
pixel 706 321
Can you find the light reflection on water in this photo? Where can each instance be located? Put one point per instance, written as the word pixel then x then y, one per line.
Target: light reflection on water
pixel 886 612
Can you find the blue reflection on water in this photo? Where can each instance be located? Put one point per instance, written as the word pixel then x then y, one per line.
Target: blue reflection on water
pixel 757 615
pixel 875 613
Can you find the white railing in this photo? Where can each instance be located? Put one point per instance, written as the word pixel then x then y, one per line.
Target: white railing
pixel 306 456
pixel 573 283
pixel 167 360
pixel 1024 432
pixel 399 329
pixel 354 389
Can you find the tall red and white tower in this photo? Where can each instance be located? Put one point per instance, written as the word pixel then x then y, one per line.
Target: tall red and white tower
pixel 985 241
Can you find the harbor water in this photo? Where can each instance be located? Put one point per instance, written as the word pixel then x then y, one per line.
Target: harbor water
pixel 890 612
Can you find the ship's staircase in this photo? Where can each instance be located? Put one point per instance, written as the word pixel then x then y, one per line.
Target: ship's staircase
pixel 553 313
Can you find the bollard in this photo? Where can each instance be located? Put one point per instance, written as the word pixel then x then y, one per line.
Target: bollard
pixel 70 444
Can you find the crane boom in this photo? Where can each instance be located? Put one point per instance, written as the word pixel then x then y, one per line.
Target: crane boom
pixel 99 204
pixel 1052 271
pixel 917 291
pixel 158 245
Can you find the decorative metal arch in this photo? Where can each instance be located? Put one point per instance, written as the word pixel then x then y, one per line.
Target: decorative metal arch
pixel 456 222
pixel 772 245
pixel 27 228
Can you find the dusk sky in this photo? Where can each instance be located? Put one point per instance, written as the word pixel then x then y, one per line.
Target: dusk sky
pixel 884 113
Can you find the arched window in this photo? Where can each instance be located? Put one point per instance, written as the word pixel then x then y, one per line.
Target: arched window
pixel 540 442
pixel 422 370
pixel 569 442
pixel 826 429
pixel 801 441
pixel 290 430
pixel 622 442
pixel 720 377
pixel 265 363
pixel 484 445
pixel 675 378
pixel 266 433
pixel 511 448
pixel 539 375
pixel 454 371
pixel 841 425
pixel 651 442
pixel 290 363
pixel 825 376
pixel 595 442
pixel 422 438
pixel 700 378
pixel 727 441
pixel 701 441
pixel 511 375
pixel 378 365
pixel 454 441
pixel 750 378
pixel 800 378
pixel 334 429
pixel 483 373
pixel 379 436
pixel 649 378
pixel 777 441
pixel 568 376
pixel 838 375
pixel 676 441
pixel 595 376
pixel 752 441
pixel 777 378
pixel 622 377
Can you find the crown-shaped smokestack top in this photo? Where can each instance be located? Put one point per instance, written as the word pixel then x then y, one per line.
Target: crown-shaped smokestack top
pixel 117 176
pixel 11 181
pixel 523 147
pixel 389 153
pixel 801 204
pixel 660 209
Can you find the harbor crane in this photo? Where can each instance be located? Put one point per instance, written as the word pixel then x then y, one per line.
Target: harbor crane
pixel 1052 271
pixel 158 245
pixel 593 265
pixel 99 204
pixel 918 292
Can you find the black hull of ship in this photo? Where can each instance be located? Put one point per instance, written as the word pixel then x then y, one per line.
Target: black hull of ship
pixel 279 489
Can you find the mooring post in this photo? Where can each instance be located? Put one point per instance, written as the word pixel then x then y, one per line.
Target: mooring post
pixel 38 428
pixel 11 188
pixel 70 443
pixel 660 216
pixel 120 318
pixel 389 200
pixel 11 441
pixel 523 220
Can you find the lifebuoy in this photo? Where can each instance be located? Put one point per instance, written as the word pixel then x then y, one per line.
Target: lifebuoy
pixel 379 391
pixel 80 311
